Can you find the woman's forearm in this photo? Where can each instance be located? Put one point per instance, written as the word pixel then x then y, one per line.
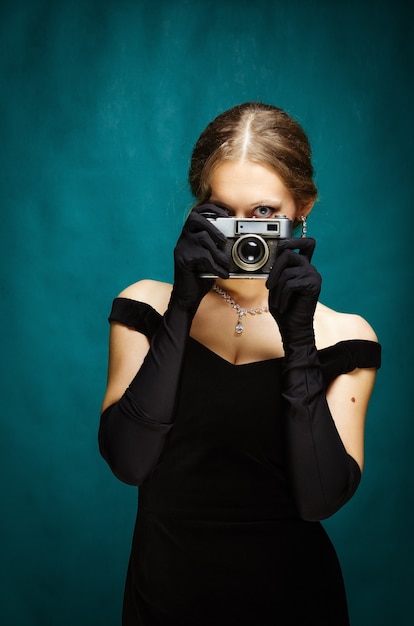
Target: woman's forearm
pixel 323 475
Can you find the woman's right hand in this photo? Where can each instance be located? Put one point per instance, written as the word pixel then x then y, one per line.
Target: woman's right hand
pixel 294 287
pixel 199 250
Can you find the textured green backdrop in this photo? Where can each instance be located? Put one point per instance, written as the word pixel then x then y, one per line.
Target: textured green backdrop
pixel 101 102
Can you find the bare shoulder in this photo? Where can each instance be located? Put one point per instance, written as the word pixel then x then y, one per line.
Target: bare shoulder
pixel 332 326
pixel 152 292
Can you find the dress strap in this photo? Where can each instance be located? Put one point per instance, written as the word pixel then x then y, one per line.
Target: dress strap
pixel 345 356
pixel 138 315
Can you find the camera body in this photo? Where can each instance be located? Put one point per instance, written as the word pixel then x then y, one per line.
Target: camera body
pixel 251 243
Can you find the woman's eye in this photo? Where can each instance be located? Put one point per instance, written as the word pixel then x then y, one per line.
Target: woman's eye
pixel 263 211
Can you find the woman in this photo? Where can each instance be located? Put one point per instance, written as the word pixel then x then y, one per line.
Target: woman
pixel 237 404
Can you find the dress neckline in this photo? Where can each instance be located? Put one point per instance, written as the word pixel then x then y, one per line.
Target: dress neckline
pixel 332 348
pixel 222 359
pixel 322 351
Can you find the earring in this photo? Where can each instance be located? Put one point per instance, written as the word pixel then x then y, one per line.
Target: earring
pixel 304 226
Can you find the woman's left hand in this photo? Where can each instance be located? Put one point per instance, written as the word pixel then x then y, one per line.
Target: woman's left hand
pixel 294 287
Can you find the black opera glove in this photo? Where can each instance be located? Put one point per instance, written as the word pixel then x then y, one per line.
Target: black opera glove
pixel 134 430
pixel 199 250
pixel 323 475
pixel 294 287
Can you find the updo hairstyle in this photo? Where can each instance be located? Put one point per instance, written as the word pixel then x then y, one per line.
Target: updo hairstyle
pixel 256 132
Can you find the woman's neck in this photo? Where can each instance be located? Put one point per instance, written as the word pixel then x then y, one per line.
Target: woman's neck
pixel 247 292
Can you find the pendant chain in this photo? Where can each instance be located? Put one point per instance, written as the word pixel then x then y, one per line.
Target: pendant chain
pixel 240 310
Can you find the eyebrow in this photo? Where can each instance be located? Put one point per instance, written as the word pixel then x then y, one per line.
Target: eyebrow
pixel 265 202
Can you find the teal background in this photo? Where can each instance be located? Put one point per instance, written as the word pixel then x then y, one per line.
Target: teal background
pixel 101 103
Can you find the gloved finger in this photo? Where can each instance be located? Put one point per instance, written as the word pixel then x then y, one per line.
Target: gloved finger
pixel 297 286
pixel 305 245
pixel 210 210
pixel 217 255
pixel 193 249
pixel 285 258
pixel 208 265
pixel 203 262
pixel 306 280
pixel 279 294
pixel 198 223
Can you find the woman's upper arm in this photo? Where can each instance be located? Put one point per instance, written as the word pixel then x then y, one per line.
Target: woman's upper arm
pixel 127 346
pixel 127 350
pixel 348 397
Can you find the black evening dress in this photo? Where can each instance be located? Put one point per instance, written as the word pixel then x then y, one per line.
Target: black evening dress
pixel 218 541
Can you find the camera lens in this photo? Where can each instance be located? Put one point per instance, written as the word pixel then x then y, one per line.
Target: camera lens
pixel 250 252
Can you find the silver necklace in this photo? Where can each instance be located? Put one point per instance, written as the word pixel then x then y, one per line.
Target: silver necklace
pixel 240 311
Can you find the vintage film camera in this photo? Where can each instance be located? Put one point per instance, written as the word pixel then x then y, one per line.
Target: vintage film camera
pixel 251 243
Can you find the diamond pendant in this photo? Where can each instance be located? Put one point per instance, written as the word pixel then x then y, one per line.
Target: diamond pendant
pixel 240 311
pixel 239 326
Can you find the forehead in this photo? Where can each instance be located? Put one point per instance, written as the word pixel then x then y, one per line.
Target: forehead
pixel 235 177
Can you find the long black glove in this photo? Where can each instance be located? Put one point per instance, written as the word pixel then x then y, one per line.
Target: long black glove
pixel 323 475
pixel 133 431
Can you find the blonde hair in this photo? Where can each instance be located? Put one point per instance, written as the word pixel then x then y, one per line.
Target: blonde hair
pixel 256 132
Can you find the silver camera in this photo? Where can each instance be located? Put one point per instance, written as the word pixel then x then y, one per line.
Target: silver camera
pixel 251 243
